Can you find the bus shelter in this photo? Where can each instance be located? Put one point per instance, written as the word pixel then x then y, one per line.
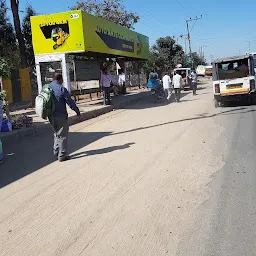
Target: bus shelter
pixel 59 37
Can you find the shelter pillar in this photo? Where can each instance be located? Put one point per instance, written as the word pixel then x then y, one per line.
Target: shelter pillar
pixel 49 64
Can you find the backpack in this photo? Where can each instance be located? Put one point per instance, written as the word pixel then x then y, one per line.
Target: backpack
pixel 44 103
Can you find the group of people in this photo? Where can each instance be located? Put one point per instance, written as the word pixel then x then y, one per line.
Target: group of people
pixel 176 83
pixel 61 97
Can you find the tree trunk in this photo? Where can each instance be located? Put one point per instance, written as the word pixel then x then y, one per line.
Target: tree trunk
pixel 19 35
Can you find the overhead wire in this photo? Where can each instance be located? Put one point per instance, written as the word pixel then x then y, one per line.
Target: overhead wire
pixel 23 11
pixel 193 26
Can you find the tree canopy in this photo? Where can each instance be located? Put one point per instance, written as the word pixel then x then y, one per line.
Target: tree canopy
pixel 27 34
pixel 8 44
pixel 112 10
pixel 165 54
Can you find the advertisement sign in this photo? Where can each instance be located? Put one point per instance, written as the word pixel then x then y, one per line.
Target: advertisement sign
pixel 78 31
pixel 55 33
pixel 107 37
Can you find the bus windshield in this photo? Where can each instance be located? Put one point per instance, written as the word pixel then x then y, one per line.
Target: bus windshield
pixel 233 69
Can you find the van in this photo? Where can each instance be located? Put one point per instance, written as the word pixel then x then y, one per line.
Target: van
pixel 185 73
pixel 200 70
pixel 208 70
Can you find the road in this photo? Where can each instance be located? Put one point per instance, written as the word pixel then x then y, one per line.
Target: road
pixel 151 180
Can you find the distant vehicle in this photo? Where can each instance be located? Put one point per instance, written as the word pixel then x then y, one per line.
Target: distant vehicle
pixel 200 70
pixel 208 70
pixel 234 79
pixel 185 73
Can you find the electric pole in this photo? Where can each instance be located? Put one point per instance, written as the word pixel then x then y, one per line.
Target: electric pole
pixel 202 52
pixel 189 38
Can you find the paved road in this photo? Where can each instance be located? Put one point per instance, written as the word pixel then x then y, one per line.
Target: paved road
pixel 151 180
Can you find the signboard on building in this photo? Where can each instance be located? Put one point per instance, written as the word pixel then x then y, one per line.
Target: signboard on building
pixel 78 31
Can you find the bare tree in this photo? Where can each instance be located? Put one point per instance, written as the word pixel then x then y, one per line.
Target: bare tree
pixel 112 10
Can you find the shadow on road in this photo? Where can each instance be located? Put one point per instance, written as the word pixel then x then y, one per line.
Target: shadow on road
pixel 101 151
pixel 36 153
pixel 148 102
pixel 201 116
pixel 241 103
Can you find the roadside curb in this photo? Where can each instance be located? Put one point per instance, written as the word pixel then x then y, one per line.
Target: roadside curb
pixel 19 135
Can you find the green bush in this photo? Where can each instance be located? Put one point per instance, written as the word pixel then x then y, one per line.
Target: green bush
pixel 4 68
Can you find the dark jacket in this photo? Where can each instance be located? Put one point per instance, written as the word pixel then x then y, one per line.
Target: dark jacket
pixel 62 98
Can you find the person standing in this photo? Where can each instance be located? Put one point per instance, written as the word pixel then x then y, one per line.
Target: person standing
pixel 177 84
pixel 193 78
pixel 59 118
pixel 167 82
pixel 121 82
pixel 105 83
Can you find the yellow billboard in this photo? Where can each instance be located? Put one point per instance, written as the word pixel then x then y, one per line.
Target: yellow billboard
pixel 78 31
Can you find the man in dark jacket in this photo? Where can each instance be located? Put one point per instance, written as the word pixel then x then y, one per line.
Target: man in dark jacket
pixel 59 118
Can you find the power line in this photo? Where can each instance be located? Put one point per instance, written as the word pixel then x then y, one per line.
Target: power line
pixel 193 26
pixel 188 4
pixel 22 11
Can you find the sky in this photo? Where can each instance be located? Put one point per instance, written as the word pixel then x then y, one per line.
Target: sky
pixel 226 27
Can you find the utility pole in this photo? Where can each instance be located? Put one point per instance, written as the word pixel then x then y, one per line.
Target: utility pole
pixel 202 51
pixel 189 38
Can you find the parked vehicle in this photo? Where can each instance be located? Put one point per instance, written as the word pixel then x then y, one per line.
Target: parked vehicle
pixel 208 70
pixel 158 93
pixel 200 70
pixel 234 79
pixel 185 73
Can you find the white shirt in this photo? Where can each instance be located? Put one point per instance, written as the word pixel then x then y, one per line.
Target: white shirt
pixel 177 81
pixel 167 82
pixel 121 79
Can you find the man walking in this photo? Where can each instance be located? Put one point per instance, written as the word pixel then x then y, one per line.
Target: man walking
pixel 193 78
pixel 177 83
pixel 59 118
pixel 167 85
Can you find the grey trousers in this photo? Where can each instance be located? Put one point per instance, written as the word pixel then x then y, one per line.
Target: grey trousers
pixel 60 127
pixel 177 94
pixel 194 87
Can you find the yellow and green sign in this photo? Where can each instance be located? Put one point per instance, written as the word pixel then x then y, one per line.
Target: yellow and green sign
pixel 78 31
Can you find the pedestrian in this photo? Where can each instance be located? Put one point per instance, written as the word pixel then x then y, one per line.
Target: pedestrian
pixel 105 83
pixel 177 84
pixel 59 118
pixel 121 82
pixel 193 78
pixel 153 75
pixel 167 83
